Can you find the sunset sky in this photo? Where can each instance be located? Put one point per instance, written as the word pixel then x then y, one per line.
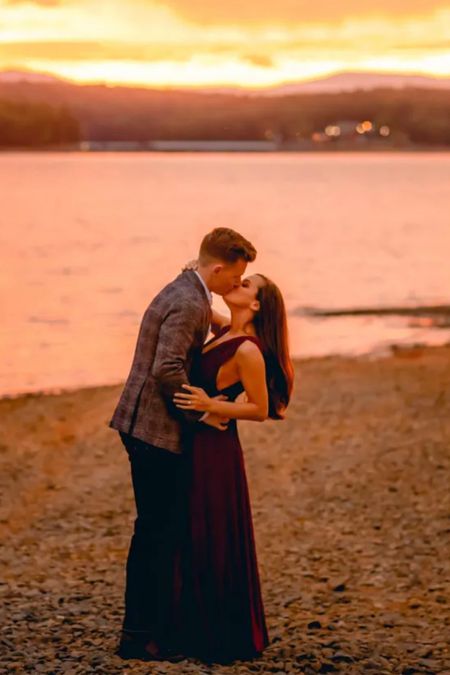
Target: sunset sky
pixel 214 42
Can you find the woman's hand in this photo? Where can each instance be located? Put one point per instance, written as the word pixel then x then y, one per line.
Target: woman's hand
pixel 216 421
pixel 197 399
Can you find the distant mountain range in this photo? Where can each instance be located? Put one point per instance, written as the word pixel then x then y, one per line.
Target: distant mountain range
pixel 12 76
pixel 365 81
pixel 344 82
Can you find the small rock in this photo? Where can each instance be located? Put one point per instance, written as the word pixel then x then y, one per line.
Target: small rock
pixel 327 668
pixel 314 624
pixel 339 588
pixel 340 657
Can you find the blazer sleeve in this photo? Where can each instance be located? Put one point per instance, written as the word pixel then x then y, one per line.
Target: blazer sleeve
pixel 177 334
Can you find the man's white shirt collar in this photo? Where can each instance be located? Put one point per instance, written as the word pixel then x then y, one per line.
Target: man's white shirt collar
pixel 207 291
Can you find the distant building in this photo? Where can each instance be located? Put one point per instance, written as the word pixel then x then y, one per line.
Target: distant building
pixel 347 128
pixel 340 130
pixel 351 130
pixel 214 146
pixel 180 146
pixel 113 146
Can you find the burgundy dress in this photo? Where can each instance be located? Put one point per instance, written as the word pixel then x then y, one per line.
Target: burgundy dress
pixel 224 613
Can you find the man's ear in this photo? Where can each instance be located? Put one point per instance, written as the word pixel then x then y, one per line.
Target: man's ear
pixel 217 268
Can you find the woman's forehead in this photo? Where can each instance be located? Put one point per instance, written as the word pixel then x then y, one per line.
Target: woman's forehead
pixel 254 279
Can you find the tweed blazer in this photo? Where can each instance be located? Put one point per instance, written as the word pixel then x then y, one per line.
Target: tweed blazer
pixel 172 332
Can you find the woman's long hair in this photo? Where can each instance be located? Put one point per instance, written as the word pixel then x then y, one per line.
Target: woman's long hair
pixel 271 328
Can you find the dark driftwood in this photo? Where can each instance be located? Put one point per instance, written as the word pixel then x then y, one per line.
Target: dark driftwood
pixel 420 310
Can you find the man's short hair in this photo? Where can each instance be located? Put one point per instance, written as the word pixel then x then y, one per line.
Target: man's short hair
pixel 227 246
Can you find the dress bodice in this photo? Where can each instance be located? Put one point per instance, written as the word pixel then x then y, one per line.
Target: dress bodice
pixel 208 364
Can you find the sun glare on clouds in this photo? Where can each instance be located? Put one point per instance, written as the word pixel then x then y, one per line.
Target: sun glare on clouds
pixel 195 43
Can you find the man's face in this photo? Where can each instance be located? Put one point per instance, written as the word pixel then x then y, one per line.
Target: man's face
pixel 225 276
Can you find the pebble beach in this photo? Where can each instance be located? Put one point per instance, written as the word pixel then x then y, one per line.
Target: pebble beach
pixel 351 510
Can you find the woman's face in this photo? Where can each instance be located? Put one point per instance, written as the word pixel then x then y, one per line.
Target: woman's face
pixel 244 296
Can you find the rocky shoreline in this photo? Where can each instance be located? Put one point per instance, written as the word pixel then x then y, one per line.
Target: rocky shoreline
pixel 351 509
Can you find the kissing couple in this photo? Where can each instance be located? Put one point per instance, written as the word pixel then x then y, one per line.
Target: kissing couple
pixel 192 583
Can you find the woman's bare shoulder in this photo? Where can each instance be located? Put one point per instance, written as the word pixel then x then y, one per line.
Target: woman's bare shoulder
pixel 249 350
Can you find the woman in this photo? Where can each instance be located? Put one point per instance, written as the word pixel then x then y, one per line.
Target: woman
pixel 222 610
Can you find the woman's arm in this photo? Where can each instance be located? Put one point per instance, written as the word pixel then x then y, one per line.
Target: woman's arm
pixel 252 373
pixel 218 322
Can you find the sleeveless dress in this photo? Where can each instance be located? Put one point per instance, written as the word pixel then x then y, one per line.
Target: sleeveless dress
pixel 223 609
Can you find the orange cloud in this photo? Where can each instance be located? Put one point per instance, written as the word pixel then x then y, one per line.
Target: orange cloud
pixel 279 12
pixel 41 3
pixel 206 42
pixel 237 12
pixel 79 50
pixel 260 60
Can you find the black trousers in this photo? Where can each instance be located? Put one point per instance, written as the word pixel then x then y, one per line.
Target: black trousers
pixel 153 570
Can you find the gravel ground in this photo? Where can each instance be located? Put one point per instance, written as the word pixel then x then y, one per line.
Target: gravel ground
pixel 351 510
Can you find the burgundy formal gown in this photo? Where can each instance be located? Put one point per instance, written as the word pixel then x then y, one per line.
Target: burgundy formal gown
pixel 224 613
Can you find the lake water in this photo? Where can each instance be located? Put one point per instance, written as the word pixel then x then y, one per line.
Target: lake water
pixel 88 239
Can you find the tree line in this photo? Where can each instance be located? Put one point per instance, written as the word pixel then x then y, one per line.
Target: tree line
pixel 36 125
pixel 41 114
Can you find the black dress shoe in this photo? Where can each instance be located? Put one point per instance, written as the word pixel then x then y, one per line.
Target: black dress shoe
pixel 133 651
pixel 167 654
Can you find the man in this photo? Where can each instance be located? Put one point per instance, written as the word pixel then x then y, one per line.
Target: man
pixel 154 432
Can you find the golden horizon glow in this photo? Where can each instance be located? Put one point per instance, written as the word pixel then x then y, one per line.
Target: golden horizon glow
pixel 141 43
